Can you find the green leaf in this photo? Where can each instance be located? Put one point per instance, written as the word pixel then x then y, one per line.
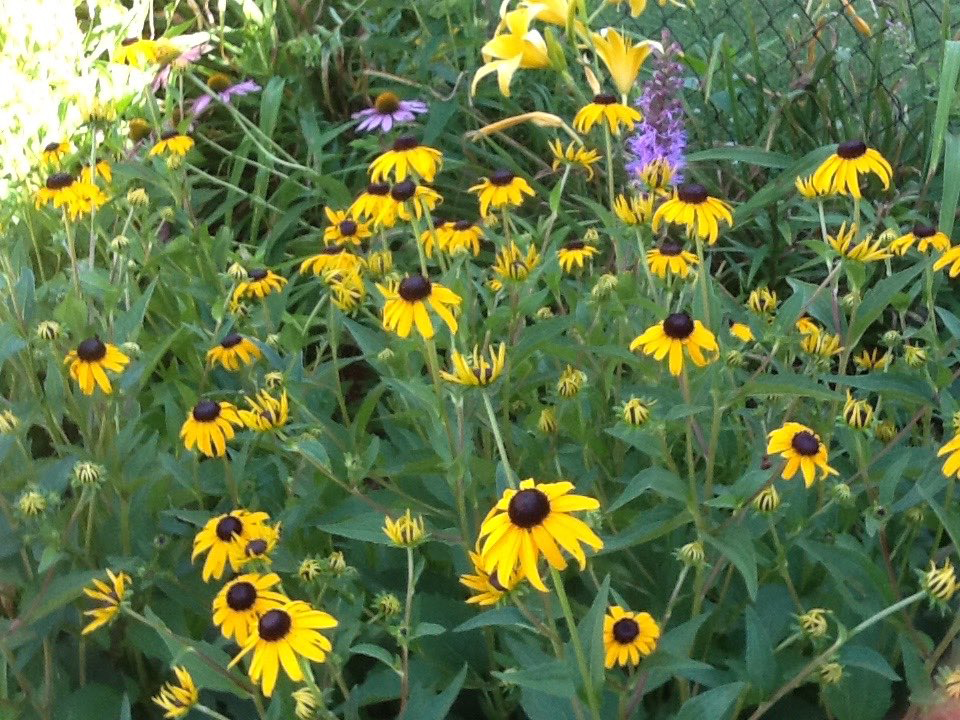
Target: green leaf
pixel 737 546
pixel 554 678
pixel 660 480
pixel 860 695
pixel 743 154
pixel 949 74
pixel 376 652
pixel 426 629
pixel 951 183
pixel 498 617
pixel 948 518
pixel 867 658
pixel 427 706
pixel 876 300
pixel 790 385
pixel 761 662
pixel 591 632
pixel 715 704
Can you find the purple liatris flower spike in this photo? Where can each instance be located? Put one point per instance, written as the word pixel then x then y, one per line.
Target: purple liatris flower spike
pixel 661 136
pixel 245 87
pixel 388 110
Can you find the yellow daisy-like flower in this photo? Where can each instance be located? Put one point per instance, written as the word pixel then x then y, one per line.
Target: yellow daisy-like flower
pixel 657 175
pixel 670 258
pixel 628 636
pixel 949 681
pixel 283 636
pixel 464 236
pixel 952 258
pixel 100 169
pixel 575 253
pixel 347 290
pixel 305 702
pixel 547 421
pixel 693 207
pixel 814 622
pixel 475 369
pixel 622 58
pixel 379 262
pixel 669 338
pixel 406 201
pixel 808 190
pixel 574 155
pixel 138 52
pixel 177 698
pixel 635 412
pixel 513 265
pixel 242 602
pixel 405 531
pixel 344 229
pixel 767 500
pixel 857 413
pixel 209 426
pixel 806 326
pixel 406 158
pixel 571 381
pixel 742 332
pixel 840 173
pixel 952 450
pixel 406 306
pixel 607 110
pixel 53 153
pixel 224 539
pixel 513 47
pixel 233 351
pixel 262 542
pixel 110 596
pixel 867 250
pixel 926 236
pixel 914 355
pixel 532 521
pixel 486 587
pixel 172 142
pixel 58 190
pixel 87 198
pixel 821 343
pixel 266 412
pixel 90 361
pixel 940 583
pixel 439 237
pixel 801 448
pixel 331 258
pixel 762 301
pixel 260 282
pixel 874 359
pixel 635 209
pixel 501 189
pixel 371 201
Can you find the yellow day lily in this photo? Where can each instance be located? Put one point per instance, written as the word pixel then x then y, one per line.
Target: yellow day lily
pixel 554 12
pixel 622 58
pixel 518 47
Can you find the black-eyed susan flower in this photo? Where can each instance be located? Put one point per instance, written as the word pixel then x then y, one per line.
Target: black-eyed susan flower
pixel 477 369
pixel 926 237
pixel 90 360
pixel 628 636
pixel 571 381
pixel 242 601
pixel 344 229
pixel 669 338
pixel 865 251
pixel 260 545
pixel 370 202
pixel 486 588
pixel 693 207
pixel 139 129
pixel 284 635
pixel 857 413
pixel 805 325
pixel 87 474
pixel 605 286
pixel 949 681
pixel 86 198
pixel 914 355
pixel 438 237
pixel 952 450
pixel 840 173
pixel 635 412
pixel 406 531
pixel 406 201
pixel 767 500
pixel 137 52
pixel 172 142
pixel 48 330
pixel 501 189
pixel 464 237
pixel 742 332
pixel 821 344
pixel 606 110
pixel 100 169
pixel 209 426
pixel 634 209
pixel 762 301
pixel 514 46
pixel 657 175
pixel 331 258
pixel 32 503
pixel 406 158
pixel 406 305
pixel 110 596
pixel 305 703
pixel 813 623
pixel 176 698
pixel 347 290
pixel 233 351
pixel 831 673
pixel 670 258
pixel 53 153
pixel 575 155
pixel 808 190
pixel 547 421
pixel 692 554
pixel 386 605
pixel 940 582
pixel 802 449
pixel 58 190
pixel 259 283
pixel 309 569
pixel 949 258
pixel 513 265
pixel 622 57
pixel 575 253
pixel 532 521
pixel 224 539
pixel 266 412
pixel 874 359
pixel 379 262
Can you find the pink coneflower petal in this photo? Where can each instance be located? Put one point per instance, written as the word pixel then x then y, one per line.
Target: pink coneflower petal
pixel 245 87
pixel 386 124
pixel 201 104
pixel 364 113
pixel 403 116
pixel 415 106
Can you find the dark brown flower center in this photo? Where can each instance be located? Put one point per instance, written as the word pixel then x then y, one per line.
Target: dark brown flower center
pixel 528 508
pixel 924 231
pixel 805 443
pixel 50 147
pixel 274 625
pixel 91 350
pixel 386 103
pixel 575 245
pixel 461 225
pixel 501 177
pixel 128 41
pixel 229 526
pixel 256 547
pixel 484 375
pixel 678 326
pixel 414 288
pixel 206 411
pixel 257 273
pixel 348 228
pixel 404 143
pixel 378 189
pixel 671 249
pixel 167 134
pixel 231 340
pixel 403 191
pixel 851 149
pixel 218 82
pixel 59 181
pixel 693 193
pixel 241 596
pixel 332 250
pixel 604 99
pixel 495 582
pixel 625 630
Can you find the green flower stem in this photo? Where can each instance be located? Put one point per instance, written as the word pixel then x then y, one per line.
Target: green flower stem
pixel 72 252
pixel 608 146
pixel 405 644
pixel 827 654
pixel 641 247
pixel 91 498
pixel 203 709
pixel 416 241
pixel 702 273
pixel 592 700
pixel 333 330
pixel 782 565
pixel 495 427
pixel 231 481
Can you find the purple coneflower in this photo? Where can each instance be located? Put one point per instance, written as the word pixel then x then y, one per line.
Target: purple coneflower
pixel 388 110
pixel 660 135
pixel 222 90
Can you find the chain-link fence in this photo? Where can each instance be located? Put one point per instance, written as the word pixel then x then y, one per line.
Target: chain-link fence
pixel 814 64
